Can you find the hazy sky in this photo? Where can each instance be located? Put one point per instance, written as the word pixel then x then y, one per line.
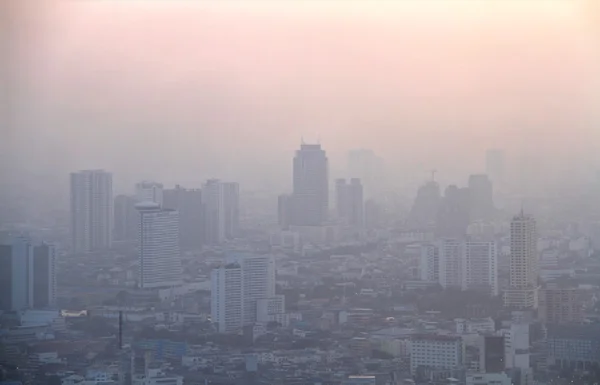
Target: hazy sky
pixel 183 90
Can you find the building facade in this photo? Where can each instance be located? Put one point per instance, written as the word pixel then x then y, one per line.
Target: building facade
pixel 310 186
pixel 523 290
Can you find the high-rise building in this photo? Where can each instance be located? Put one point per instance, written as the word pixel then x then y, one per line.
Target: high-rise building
pixel 125 218
pixel 159 254
pixel 148 191
pixel 560 304
pixel 91 210
pixel 436 352
pixel 494 165
pixel 311 186
pixel 44 276
pixel 451 263
pixel 423 213
pixel 480 263
pixel 188 202
pixel 350 203
pixel 227 298
pixel 365 165
pixel 523 289
pixel 285 207
pixel 430 262
pixel 492 353
pixel 221 211
pixel 481 194
pixel 27 275
pixel 453 213
pixel 246 276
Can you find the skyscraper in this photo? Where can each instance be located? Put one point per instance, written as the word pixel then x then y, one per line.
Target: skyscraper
pixel 148 191
pixel 311 186
pixel 350 203
pixel 188 202
pixel 482 198
pixel 91 210
pixel 159 254
pixel 125 218
pixel 423 213
pixel 451 263
pixel 453 213
pixel 523 289
pixel 480 267
pixel 365 165
pixel 221 211
pixel 27 275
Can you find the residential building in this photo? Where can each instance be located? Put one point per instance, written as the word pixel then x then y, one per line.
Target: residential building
pixel 227 298
pixel 430 262
pixel 523 290
pixel 189 205
pixel 91 210
pixel 560 304
pixel 451 263
pixel 480 266
pixel 159 254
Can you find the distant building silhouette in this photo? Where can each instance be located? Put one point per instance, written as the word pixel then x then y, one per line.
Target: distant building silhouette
pixel 310 195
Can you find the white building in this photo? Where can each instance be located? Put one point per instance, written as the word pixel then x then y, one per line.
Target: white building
pixel 91 210
pixel 221 211
pixel 227 298
pixel 159 254
pixel 254 281
pixel 430 263
pixel 436 351
pixel 148 191
pixel 475 325
pixel 523 289
pixel 480 266
pixel 271 309
pixel 451 263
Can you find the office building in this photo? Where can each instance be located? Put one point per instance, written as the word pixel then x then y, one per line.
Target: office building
pixel 247 276
pixel 365 165
pixel 451 263
pixel 284 211
pixel 424 211
pixel 125 218
pixel 221 211
pixel 188 202
pixel 523 289
pixel 436 352
pixel 480 264
pixel 91 210
pixel 560 304
pixel 453 213
pixel 159 254
pixel 350 202
pixel 492 354
pixel 227 296
pixel 481 194
pixel 27 275
pixel 44 276
pixel 310 186
pixel 148 191
pixel 430 262
pixel 574 346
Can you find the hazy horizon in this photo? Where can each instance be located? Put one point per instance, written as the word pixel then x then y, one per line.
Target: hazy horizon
pixel 182 91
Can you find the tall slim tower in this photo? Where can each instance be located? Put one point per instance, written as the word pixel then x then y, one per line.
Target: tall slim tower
pixel 221 211
pixel 91 210
pixel 188 202
pixel 523 289
pixel 350 202
pixel 44 276
pixel 159 255
pixel 311 186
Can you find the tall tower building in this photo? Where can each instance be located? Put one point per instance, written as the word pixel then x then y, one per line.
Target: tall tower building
pixel 430 262
pixel 311 186
pixel 423 213
pixel 453 213
pixel 365 165
pixel 451 263
pixel 481 194
pixel 350 202
pixel 188 202
pixel 523 289
pixel 227 298
pixel 148 191
pixel 159 255
pixel 221 211
pixel 27 275
pixel 125 218
pixel 480 267
pixel 91 210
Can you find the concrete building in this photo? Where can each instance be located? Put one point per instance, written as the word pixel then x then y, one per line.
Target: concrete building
pixel 91 210
pixel 492 354
pixel 436 352
pixel 159 254
pixel 227 298
pixel 523 290
pixel 44 276
pixel 310 186
pixel 350 203
pixel 488 379
pixel 430 263
pixel 189 204
pixel 148 191
pixel 125 218
pixel 480 266
pixel 576 347
pixel 221 211
pixel 451 263
pixel 560 304
pixel 270 309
